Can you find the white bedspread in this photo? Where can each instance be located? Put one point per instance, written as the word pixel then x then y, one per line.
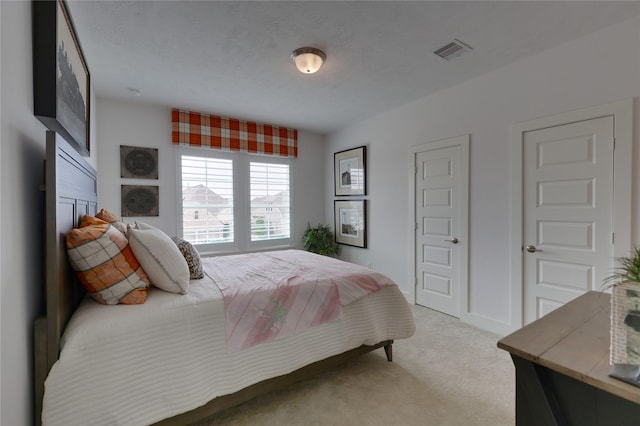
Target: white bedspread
pixel 136 365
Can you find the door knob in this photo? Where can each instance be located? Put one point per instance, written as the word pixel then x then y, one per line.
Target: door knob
pixel 532 249
pixel 452 240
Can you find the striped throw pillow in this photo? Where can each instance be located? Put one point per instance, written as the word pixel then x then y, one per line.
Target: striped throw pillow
pixel 105 264
pixel 160 258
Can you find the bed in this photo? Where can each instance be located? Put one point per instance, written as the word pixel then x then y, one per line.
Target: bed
pixel 115 364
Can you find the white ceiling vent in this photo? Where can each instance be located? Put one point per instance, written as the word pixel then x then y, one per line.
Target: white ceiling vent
pixel 453 49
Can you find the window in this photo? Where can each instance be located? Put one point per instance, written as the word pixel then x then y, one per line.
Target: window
pixel 230 202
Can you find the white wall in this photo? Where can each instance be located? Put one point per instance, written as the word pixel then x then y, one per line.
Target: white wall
pixel 596 69
pixel 1 276
pixel 143 125
pixel 22 148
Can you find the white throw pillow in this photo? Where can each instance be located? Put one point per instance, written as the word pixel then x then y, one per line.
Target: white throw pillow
pixel 160 258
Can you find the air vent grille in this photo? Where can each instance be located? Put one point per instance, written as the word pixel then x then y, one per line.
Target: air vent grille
pixel 453 50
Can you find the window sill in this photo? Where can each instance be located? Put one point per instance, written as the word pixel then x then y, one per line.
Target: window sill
pixel 255 250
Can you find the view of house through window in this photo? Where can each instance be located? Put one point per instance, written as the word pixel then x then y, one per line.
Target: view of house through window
pixel 269 201
pixel 207 200
pixel 230 199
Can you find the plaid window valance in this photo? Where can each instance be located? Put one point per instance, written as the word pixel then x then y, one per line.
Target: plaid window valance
pixel 229 134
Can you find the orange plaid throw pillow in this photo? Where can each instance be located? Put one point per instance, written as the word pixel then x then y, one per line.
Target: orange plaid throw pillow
pixel 113 219
pixel 105 264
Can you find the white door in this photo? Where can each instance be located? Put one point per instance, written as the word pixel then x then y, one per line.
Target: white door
pixel 568 199
pixel 441 198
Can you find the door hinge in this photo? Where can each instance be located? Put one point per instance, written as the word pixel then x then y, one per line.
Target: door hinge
pixel 613 238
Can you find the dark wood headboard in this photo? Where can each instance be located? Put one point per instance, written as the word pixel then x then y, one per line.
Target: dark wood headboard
pixel 71 192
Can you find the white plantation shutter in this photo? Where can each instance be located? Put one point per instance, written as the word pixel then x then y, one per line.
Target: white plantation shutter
pixel 233 202
pixel 207 200
pixel 270 202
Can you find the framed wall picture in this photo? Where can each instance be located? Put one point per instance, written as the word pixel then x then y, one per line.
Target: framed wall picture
pixel 350 171
pixel 139 201
pixel 61 80
pixel 136 162
pixel 350 222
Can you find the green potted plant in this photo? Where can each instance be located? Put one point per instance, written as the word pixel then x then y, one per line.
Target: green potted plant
pixel 628 270
pixel 625 310
pixel 320 240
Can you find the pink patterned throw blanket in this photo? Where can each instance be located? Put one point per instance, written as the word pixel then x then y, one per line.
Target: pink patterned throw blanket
pixel 278 294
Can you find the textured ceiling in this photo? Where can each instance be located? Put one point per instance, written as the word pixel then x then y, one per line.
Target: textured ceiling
pixel 232 58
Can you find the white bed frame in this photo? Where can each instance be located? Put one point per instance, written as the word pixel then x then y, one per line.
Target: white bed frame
pixel 71 192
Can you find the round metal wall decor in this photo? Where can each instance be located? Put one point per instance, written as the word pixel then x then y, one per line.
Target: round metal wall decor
pixel 139 162
pixel 136 162
pixel 139 200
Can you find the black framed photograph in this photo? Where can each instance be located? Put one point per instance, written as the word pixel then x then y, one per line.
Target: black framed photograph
pixel 140 201
pixel 61 80
pixel 350 171
pixel 350 222
pixel 137 162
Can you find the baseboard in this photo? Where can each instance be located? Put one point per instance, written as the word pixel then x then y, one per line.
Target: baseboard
pixel 489 324
pixel 480 321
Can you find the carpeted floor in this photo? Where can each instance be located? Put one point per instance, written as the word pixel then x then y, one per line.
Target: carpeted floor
pixel 448 373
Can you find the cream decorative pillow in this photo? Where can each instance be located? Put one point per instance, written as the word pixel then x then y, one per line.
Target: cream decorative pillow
pixel 160 258
pixel 105 264
pixel 192 257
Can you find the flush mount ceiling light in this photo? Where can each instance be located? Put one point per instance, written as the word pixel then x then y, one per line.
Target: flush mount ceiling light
pixel 308 59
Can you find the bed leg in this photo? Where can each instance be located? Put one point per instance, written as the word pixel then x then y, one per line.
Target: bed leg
pixel 388 350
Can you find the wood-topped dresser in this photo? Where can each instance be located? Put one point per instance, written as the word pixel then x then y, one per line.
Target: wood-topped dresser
pixel 562 365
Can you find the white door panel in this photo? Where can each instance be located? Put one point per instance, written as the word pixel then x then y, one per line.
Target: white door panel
pixel 567 224
pixel 437 284
pixel 567 193
pixel 573 276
